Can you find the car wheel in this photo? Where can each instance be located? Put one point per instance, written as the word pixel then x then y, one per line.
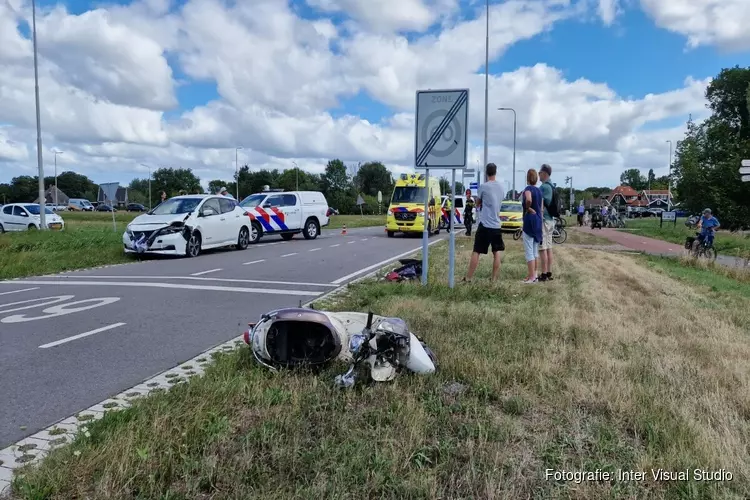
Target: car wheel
pixel 255 233
pixel 2 229
pixel 193 248
pixel 311 229
pixel 32 227
pixel 243 240
pixel 391 234
pixel 287 236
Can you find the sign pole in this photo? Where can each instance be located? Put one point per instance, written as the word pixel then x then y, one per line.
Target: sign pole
pixel 426 231
pixel 452 236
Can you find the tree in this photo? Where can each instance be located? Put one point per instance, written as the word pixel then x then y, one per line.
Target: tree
pixel 707 160
pixel 633 178
pixel 373 177
pixel 23 189
pixel 651 178
pixel 173 180
pixel 335 179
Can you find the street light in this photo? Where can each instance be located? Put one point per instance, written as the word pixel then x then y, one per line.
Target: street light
pixel 669 178
pixel 514 145
pixel 149 185
pixel 296 173
pixel 486 81
pixel 56 153
pixel 40 164
pixel 237 171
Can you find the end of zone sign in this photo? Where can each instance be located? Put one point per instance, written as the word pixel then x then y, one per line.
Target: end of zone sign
pixel 441 122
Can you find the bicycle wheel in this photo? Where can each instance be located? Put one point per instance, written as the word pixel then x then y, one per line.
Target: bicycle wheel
pixel 709 253
pixel 560 221
pixel 559 236
pixel 517 234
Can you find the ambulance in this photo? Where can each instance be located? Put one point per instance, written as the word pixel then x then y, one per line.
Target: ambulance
pixel 406 211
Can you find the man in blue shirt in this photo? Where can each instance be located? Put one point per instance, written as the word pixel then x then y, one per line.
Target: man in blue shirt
pixel 708 224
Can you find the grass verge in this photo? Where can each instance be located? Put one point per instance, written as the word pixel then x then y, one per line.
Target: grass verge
pixel 726 243
pixel 89 240
pixel 624 368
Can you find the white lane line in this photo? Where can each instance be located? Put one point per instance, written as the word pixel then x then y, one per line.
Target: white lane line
pixel 380 264
pixel 350 242
pixel 289 254
pixel 19 291
pixel 206 272
pixel 363 239
pixel 254 262
pixel 196 278
pixel 80 335
pixel 314 250
pixel 268 291
pixel 336 245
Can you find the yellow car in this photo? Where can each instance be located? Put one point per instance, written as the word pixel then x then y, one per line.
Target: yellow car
pixel 511 215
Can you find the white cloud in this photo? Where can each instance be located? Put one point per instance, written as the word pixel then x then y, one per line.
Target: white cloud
pixel 608 10
pixel 105 84
pixel 704 22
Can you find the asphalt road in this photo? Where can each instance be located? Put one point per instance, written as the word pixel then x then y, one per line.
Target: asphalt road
pixel 72 340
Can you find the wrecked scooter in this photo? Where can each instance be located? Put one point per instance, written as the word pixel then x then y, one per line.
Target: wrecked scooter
pixel 298 337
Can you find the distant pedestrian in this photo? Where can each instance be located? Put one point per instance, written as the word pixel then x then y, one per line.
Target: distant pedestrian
pixel 707 224
pixel 531 199
pixel 223 192
pixel 581 209
pixel 469 213
pixel 489 197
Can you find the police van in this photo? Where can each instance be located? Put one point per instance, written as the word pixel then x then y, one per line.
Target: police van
pixel 286 213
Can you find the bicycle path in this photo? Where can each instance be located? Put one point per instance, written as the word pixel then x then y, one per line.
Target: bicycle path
pixel 653 246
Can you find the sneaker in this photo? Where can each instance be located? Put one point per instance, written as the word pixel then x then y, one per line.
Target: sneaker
pixel 542 277
pixel 549 276
pixel 528 281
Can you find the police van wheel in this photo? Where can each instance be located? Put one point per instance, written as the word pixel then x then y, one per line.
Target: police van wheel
pixel 390 234
pixel 311 230
pixel 255 233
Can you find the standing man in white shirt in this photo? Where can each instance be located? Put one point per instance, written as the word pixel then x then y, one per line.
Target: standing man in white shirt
pixel 489 197
pixel 223 191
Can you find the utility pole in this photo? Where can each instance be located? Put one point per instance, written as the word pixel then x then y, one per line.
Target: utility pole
pixel 149 185
pixel 486 83
pixel 571 196
pixel 669 179
pixel 514 145
pixel 237 172
pixel 296 174
pixel 56 153
pixel 39 161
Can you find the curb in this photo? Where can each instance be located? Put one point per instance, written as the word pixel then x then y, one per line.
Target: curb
pixel 33 449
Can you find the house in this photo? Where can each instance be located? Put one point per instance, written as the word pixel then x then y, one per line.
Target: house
pixel 623 197
pixel 657 198
pixel 49 197
pixel 121 197
pixel 597 203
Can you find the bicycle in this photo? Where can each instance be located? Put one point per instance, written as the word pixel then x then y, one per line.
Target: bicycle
pixel 559 235
pixel 704 249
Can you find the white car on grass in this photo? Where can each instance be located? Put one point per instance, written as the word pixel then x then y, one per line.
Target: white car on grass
pixel 286 214
pixel 186 225
pixel 25 216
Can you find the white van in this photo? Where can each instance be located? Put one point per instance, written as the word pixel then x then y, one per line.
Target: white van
pixel 286 213
pixel 80 204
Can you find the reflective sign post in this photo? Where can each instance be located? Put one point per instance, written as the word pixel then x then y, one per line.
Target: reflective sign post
pixel 426 231
pixel 452 236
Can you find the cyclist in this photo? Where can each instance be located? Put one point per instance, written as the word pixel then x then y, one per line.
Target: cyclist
pixel 707 224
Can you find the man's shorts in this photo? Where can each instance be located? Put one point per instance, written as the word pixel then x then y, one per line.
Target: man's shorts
pixel 486 238
pixel 547 228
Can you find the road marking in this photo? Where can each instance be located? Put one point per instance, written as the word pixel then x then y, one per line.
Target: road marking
pixel 62 310
pixel 289 254
pixel 314 250
pixel 350 242
pixel 19 291
pixel 268 291
pixel 363 239
pixel 196 278
pixel 254 262
pixel 80 336
pixel 336 245
pixel 380 264
pixel 205 272
pixel 49 301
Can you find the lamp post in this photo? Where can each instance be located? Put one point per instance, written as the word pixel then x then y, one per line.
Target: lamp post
pixel 237 171
pixel 514 145
pixel 40 164
pixel 296 174
pixel 56 153
pixel 669 178
pixel 486 80
pixel 149 185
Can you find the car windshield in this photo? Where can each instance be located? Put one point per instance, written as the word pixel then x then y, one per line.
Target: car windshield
pixel 34 210
pixel 177 206
pixel 253 200
pixel 409 194
pixel 511 207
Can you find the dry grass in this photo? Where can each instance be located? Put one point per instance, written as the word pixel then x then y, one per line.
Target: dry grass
pixel 614 365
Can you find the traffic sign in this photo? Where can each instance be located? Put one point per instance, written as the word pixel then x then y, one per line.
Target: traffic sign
pixel 473 185
pixel 746 163
pixel 746 178
pixel 442 118
pixel 745 170
pixel 469 172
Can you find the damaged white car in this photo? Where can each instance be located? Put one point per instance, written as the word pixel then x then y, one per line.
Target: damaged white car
pixel 186 225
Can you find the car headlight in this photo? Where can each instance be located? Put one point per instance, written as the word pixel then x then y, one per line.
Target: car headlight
pixel 420 214
pixel 390 212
